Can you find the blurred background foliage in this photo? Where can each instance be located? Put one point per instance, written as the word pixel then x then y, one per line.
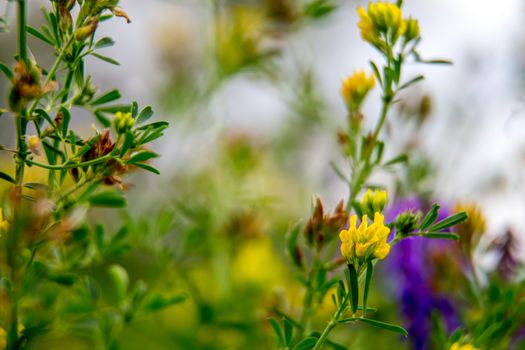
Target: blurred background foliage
pixel 254 130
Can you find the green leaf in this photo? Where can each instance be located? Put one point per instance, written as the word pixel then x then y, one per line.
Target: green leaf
pixel 66 118
pixel 411 82
pixel 317 9
pixel 134 109
pixel 431 217
pixel 102 119
pixel 142 156
pixel 278 331
pixel 384 325
pixel 376 72
pixel 288 331
pixel 109 199
pixel 5 69
pixel 107 97
pixel 37 186
pixel 368 282
pixel 104 42
pixel 440 235
pixel 306 343
pixel 147 167
pixel 159 302
pixel 115 109
pixel 66 279
pixel 6 177
pixel 42 113
pixel 34 32
pixel 449 222
pixel 155 125
pixel 354 288
pixel 106 59
pixel 293 247
pixel 341 292
pixel 128 143
pixel 145 114
pixel 403 158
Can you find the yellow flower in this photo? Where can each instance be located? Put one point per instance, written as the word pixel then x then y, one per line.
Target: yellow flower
pixel 457 346
pixel 365 242
pixel 123 122
pixel 4 224
pixel 356 87
pixel 382 20
pixel 373 202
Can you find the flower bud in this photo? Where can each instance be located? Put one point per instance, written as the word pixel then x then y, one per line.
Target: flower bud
pixel 373 202
pixel 123 122
pixel 34 144
pixel 406 222
pixel 84 32
pixel 411 29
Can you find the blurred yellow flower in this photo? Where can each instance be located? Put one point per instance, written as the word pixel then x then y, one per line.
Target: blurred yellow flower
pixel 257 265
pixel 476 222
pixel 373 202
pixel 3 338
pixel 381 18
pixel 457 346
pixel 4 224
pixel 356 87
pixel 471 230
pixel 365 242
pixel 239 34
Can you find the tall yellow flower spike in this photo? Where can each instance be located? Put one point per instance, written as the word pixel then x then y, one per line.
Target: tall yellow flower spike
pixel 356 87
pixel 365 242
pixel 381 18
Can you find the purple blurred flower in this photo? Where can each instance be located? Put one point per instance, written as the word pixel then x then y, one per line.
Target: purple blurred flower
pixel 412 276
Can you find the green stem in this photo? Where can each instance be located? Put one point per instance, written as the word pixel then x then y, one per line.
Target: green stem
pixel 21 147
pixel 52 71
pixel 70 165
pixel 333 322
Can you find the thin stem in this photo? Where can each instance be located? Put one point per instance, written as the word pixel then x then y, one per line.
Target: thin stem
pixel 333 322
pixel 21 147
pixel 52 71
pixel 70 165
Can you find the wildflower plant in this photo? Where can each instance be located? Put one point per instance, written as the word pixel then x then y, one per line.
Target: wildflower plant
pixel 366 239
pixel 47 247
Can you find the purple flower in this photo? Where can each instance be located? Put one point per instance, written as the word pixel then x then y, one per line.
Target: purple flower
pixel 412 275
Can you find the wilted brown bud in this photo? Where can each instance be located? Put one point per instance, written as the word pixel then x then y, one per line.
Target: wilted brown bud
pixel 298 256
pixel 342 138
pixel 103 146
pixel 26 85
pixel 120 13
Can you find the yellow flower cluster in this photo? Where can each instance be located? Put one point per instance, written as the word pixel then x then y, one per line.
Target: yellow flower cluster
pixel 382 24
pixel 457 346
pixel 365 242
pixel 373 202
pixel 4 224
pixel 356 87
pixel 123 122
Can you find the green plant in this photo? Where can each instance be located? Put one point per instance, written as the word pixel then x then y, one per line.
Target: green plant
pixel 51 258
